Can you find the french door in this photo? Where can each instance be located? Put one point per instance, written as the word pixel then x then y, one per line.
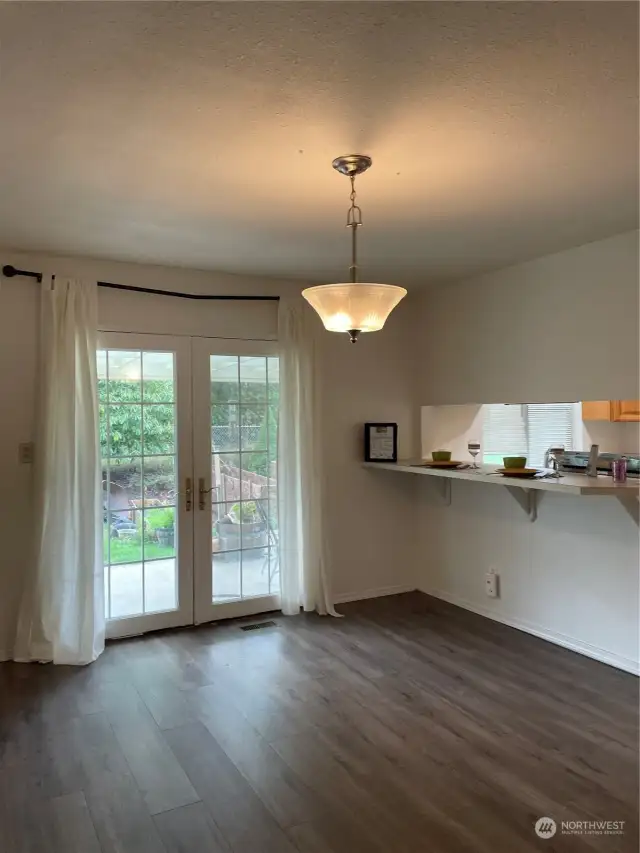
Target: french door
pixel 188 432
pixel 236 385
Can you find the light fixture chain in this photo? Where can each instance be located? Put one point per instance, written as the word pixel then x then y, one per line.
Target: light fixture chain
pixel 354 214
pixel 354 219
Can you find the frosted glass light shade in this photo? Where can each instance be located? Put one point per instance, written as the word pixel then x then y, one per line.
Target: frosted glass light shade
pixel 362 306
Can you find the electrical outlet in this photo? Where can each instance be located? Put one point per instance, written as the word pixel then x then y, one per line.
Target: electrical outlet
pixel 492 584
pixel 25 453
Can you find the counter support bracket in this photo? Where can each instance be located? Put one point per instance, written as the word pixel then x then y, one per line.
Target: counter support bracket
pixel 444 488
pixel 632 507
pixel 528 500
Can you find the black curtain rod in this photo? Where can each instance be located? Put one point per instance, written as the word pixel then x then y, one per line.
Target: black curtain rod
pixel 10 271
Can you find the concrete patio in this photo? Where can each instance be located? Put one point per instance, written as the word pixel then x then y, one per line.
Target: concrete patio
pixel 229 582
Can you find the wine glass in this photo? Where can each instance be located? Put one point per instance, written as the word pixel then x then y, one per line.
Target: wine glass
pixel 474 448
pixel 557 452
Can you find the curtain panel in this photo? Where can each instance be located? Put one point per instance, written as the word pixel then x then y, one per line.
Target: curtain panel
pixel 303 561
pixel 62 612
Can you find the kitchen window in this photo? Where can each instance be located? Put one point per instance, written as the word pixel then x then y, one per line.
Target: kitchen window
pixel 528 429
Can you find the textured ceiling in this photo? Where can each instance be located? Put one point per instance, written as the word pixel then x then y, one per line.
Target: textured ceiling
pixel 201 134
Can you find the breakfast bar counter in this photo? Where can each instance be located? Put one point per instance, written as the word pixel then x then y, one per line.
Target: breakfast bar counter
pixel 525 491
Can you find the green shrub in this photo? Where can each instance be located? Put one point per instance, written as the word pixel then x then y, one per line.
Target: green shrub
pixel 246 512
pixel 156 518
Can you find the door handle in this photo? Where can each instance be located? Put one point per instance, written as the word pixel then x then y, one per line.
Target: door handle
pixel 188 494
pixel 202 492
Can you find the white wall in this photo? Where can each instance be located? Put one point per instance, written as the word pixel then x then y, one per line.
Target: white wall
pixel 539 331
pixel 571 576
pixel 368 381
pixel 373 529
pixel 451 428
pixel 18 357
pixel 559 328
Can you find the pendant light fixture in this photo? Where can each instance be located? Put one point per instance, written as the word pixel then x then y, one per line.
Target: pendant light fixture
pixel 353 307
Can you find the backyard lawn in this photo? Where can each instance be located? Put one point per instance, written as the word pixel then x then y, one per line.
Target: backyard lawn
pixel 129 549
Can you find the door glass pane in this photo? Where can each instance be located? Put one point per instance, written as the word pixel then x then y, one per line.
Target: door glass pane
pixel 225 379
pixel 159 533
pixel 124 372
pixel 272 442
pixel 225 422
pixel 137 431
pixel 225 532
pixel 159 481
pixel 272 518
pixel 253 427
pixel 255 572
pixel 273 374
pixel 102 375
pixel 122 483
pixel 160 585
pixel 244 416
pixel 123 538
pixel 255 475
pixel 225 477
pixel 273 571
pixel 158 424
pixel 125 590
pixel 253 524
pixel 253 380
pixel 124 425
pixel 227 577
pixel 157 377
pixel 104 432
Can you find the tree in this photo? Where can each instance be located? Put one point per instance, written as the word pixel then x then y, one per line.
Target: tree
pixel 250 395
pixel 127 425
pixel 122 418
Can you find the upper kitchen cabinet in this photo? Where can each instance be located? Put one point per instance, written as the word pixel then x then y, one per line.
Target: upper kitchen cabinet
pixel 611 410
pixel 625 410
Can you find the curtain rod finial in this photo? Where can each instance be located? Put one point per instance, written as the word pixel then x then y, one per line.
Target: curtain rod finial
pixel 9 271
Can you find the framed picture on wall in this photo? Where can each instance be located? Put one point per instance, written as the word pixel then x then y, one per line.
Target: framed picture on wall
pixel 380 442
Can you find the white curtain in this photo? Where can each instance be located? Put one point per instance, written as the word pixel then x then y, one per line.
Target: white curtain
pixel 62 612
pixel 303 562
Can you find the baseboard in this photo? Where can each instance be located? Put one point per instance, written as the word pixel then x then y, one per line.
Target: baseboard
pixel 587 649
pixel 378 592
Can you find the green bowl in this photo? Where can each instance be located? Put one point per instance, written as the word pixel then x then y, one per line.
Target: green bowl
pixel 441 456
pixel 514 461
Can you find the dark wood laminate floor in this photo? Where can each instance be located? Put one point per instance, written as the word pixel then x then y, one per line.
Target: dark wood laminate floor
pixel 409 726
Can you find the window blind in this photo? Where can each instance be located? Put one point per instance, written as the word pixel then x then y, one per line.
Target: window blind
pixel 526 430
pixel 504 433
pixel 548 424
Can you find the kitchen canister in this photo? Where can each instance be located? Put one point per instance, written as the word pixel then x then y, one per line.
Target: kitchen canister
pixel 619 470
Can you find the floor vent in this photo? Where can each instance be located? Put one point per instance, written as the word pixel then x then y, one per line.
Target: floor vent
pixel 255 626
